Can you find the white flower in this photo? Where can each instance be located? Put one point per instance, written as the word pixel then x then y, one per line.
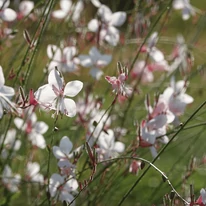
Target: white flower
pixel 33 129
pixel 64 59
pixel 32 172
pixel 25 7
pixel 187 8
pixel 6 94
pixel 176 97
pixel 61 188
pixel 10 143
pixel 108 147
pixel 154 53
pixel 9 180
pixel 95 60
pixel 53 95
pixel 67 8
pixel 63 153
pixel 7 14
pixel 108 24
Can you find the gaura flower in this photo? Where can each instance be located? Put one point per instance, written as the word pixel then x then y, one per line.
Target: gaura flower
pixel 95 60
pixel 6 94
pixel 53 96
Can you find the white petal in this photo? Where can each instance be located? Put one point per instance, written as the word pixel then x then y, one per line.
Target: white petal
pixel 73 88
pixel 156 55
pixel 59 14
pixel 178 4
pixel 41 127
pixel 65 5
pixel 105 13
pixel 93 25
pixel 4 4
pixel 96 3
pixel 32 168
pixel 112 36
pixel 37 140
pixel 45 94
pixel 118 18
pixel 78 10
pixel 96 73
pixel 69 52
pixel 85 61
pixel 8 14
pixel 2 79
pixel 7 91
pixel 58 153
pixel 55 181
pixel 65 145
pixel 68 107
pixel 119 147
pixel 54 79
pixel 25 7
pixel 19 122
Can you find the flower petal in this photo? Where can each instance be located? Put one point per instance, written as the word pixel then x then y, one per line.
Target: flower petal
pixel 73 88
pixel 65 145
pixel 93 25
pixel 58 153
pixel 118 18
pixel 2 79
pixel 8 15
pixel 68 107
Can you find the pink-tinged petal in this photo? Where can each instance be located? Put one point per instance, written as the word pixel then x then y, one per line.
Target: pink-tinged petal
pixel 59 14
pixel 105 13
pixel 152 40
pixel 8 15
pixel 65 145
pixel 167 94
pixel 157 122
pixel 68 107
pixel 25 7
pixel 65 5
pixel 41 127
pixel 45 94
pixel 55 80
pixel 85 61
pixel 119 147
pixel 2 79
pixel 118 18
pixel 4 4
pixel 156 55
pixel 58 153
pixel 54 182
pixel 73 88
pixel 93 25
